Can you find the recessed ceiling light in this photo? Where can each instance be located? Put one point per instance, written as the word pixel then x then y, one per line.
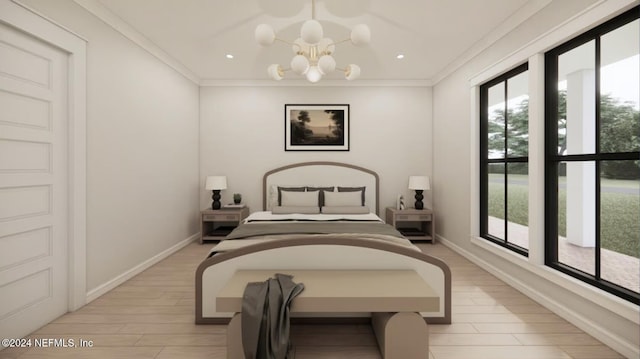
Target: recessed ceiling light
pixel 229 56
pixel 400 56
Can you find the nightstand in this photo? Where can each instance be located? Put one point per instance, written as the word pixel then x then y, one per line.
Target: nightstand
pixel 415 224
pixel 217 223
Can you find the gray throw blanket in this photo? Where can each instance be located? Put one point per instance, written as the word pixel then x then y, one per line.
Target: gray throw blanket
pixel 253 229
pixel 265 317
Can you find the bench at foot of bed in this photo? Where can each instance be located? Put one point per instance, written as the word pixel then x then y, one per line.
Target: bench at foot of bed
pixel 393 297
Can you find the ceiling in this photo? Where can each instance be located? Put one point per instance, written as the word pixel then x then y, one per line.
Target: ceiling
pixel 431 34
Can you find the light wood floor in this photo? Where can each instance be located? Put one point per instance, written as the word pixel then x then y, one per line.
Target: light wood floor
pixel 152 315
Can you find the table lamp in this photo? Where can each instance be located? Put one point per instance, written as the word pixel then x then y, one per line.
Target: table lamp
pixel 215 184
pixel 419 184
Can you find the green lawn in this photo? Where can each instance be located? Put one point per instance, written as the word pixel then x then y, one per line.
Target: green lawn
pixel 620 212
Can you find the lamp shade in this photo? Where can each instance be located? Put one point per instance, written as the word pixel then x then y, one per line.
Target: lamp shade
pixel 419 182
pixel 352 72
pixel 326 64
pixel 300 64
pixel 314 75
pixel 360 35
pixel 275 72
pixel 311 32
pixel 265 35
pixel 216 182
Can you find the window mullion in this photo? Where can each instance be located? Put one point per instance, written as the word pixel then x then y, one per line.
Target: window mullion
pixel 552 163
pixel 506 155
pixel 597 258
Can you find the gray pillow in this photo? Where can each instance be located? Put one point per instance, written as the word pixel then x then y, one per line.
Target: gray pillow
pixel 289 189
pixel 353 189
pixel 345 210
pixel 295 209
pixel 321 189
pixel 295 198
pixel 342 199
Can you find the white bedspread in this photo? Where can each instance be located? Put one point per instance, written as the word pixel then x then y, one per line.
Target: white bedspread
pixel 266 216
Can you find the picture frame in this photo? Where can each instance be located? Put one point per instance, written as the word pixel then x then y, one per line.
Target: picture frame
pixel 316 127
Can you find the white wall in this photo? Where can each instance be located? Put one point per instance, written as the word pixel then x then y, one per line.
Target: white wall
pixel 242 135
pixel 142 149
pixel 597 313
pixel 145 183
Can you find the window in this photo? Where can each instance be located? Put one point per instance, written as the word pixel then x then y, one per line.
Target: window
pixel 504 141
pixel 592 170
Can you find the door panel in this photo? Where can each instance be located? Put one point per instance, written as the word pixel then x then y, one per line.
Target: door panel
pixel 33 183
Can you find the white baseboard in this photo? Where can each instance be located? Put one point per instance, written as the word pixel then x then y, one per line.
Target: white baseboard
pixel 113 283
pixel 629 350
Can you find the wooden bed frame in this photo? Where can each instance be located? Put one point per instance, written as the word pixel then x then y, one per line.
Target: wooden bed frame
pixel 320 253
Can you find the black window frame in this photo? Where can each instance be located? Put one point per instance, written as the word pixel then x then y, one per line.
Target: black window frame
pixel 485 161
pixel 553 159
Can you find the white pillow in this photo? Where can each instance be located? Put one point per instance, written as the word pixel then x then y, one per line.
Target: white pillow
pixel 297 199
pixel 333 199
pixel 272 198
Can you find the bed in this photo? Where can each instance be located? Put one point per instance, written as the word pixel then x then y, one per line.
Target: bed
pixel 342 235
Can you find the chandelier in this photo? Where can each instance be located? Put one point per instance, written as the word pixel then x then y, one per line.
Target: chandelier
pixel 313 52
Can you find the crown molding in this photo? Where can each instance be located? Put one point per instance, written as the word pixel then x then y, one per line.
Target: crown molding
pixel 111 19
pixel 104 14
pixel 595 14
pixel 322 83
pixel 518 17
pixel 40 14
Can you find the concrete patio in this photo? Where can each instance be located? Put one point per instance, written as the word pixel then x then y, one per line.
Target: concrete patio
pixel 616 267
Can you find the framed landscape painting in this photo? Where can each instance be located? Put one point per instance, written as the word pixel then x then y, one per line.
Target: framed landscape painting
pixel 316 127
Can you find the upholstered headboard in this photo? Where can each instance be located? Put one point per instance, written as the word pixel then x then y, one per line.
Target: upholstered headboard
pixel 322 174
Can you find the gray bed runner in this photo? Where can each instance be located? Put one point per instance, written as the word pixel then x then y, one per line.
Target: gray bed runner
pixel 250 230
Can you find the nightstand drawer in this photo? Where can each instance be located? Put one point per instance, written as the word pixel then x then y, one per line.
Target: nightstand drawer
pixel 221 217
pixel 216 224
pixel 414 224
pixel 413 217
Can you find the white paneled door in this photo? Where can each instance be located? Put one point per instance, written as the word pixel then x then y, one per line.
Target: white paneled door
pixel 33 182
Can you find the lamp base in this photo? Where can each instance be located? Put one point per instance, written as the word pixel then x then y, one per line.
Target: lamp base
pixel 216 199
pixel 419 197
